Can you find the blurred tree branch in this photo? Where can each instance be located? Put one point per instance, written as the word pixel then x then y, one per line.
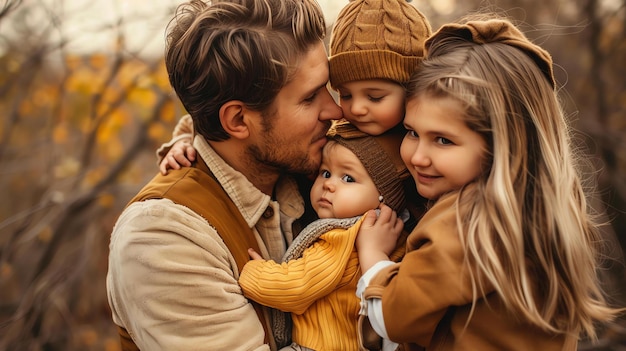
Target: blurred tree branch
pixel 8 7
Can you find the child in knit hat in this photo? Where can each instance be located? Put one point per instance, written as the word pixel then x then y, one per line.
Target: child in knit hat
pixel 317 279
pixel 375 46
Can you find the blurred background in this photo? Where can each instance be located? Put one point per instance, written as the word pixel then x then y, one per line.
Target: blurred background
pixel 85 102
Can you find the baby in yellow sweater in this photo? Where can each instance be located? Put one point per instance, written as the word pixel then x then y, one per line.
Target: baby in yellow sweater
pixel 317 279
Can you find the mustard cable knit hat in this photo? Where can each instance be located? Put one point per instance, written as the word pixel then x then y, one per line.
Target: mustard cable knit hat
pixel 377 39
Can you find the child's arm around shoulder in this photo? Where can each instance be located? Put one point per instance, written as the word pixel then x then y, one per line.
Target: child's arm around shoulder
pixel 178 152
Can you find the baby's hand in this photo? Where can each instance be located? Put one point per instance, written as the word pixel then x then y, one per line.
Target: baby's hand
pixel 254 255
pixel 377 236
pixel 180 155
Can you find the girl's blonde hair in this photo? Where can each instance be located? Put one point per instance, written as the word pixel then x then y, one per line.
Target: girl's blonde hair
pixel 529 231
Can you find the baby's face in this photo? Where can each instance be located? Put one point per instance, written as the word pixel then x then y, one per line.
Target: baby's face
pixel 374 106
pixel 342 188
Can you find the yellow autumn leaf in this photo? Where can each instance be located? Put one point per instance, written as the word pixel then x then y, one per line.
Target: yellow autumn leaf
pixel 60 134
pixel 98 61
pixel 6 270
pixel 143 97
pixel 84 81
pixel 87 337
pixel 45 235
pixel 168 113
pixel 108 96
pixel 73 61
pixel 45 95
pixel 110 144
pixel 112 344
pixel 113 149
pixel 85 125
pixel 129 72
pixel 112 125
pixel 161 77
pixel 12 65
pixel 106 200
pixel 158 132
pixel 26 107
pixel 92 177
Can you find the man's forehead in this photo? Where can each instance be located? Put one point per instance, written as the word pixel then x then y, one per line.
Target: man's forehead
pixel 311 71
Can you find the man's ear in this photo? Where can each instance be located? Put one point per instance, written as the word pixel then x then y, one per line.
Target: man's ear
pixel 232 118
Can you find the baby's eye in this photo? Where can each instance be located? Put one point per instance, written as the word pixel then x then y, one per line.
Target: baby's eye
pixel 348 178
pixel 376 98
pixel 444 141
pixel 324 174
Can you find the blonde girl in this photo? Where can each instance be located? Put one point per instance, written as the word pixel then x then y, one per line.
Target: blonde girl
pixel 506 257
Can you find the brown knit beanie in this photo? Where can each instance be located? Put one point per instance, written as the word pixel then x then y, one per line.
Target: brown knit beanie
pixel 381 157
pixel 377 39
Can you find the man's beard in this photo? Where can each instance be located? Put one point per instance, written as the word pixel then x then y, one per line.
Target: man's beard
pixel 281 159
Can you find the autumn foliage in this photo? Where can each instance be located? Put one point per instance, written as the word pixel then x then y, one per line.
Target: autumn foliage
pixel 79 131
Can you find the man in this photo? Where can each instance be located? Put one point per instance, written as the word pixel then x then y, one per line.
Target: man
pixel 252 74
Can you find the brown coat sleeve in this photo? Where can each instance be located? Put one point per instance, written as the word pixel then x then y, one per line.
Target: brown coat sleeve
pixel 417 292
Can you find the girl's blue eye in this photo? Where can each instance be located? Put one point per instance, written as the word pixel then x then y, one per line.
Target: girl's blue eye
pixel 444 141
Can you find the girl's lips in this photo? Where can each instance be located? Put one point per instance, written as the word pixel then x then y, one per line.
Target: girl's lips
pixel 425 178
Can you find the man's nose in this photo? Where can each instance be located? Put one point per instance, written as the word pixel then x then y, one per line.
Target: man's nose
pixel 330 110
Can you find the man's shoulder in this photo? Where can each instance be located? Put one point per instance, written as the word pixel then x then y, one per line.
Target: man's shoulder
pixel 160 218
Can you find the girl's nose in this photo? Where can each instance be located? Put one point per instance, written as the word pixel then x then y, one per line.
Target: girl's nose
pixel 421 156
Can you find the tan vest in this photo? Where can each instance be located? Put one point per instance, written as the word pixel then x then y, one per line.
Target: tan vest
pixel 196 188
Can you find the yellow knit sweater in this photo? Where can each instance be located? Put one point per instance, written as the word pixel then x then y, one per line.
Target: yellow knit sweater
pixel 318 289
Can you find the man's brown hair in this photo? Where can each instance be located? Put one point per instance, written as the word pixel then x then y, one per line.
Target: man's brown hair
pixel 242 50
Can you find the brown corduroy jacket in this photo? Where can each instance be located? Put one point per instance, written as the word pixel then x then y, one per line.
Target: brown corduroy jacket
pixel 427 297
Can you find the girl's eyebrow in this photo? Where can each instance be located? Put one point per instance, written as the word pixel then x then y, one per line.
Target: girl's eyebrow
pixel 446 132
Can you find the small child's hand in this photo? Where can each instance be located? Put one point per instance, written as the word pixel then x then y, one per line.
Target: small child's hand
pixel 377 236
pixel 180 155
pixel 254 255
